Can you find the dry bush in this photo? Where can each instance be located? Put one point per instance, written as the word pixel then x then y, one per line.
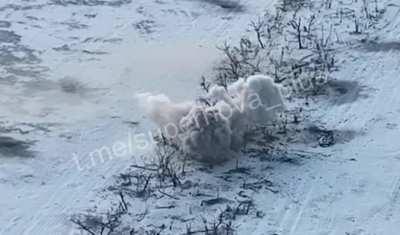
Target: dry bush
pixel 167 162
pixel 293 5
pixel 239 62
pixel 103 223
pixel 219 226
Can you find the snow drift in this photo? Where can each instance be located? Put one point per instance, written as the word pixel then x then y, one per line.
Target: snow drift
pixel 212 130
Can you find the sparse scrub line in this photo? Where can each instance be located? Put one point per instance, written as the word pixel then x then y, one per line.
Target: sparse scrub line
pixel 295 45
pixel 307 72
pixel 163 177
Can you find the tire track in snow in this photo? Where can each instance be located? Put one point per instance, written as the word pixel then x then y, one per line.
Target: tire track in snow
pixel 294 212
pixel 300 211
pixel 394 202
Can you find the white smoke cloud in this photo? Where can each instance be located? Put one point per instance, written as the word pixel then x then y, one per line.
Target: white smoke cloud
pixel 161 110
pixel 214 133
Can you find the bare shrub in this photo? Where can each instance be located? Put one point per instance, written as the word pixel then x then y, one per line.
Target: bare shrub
pixel 259 27
pixel 296 25
pixel 290 5
pixel 167 163
pixel 239 61
pixel 219 226
pixel 134 184
pixel 106 223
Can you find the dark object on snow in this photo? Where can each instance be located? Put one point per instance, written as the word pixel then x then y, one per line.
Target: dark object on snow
pixel 11 147
pixel 214 201
pixel 9 37
pixel 326 139
pixel 230 5
pixel 4 24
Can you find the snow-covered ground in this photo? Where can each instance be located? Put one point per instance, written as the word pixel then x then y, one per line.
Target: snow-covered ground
pixel 68 76
pixel 70 70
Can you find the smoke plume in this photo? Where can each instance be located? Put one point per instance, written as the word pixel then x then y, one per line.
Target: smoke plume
pixel 213 130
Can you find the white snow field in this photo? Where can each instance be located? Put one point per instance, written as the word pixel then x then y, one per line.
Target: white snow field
pixel 69 73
